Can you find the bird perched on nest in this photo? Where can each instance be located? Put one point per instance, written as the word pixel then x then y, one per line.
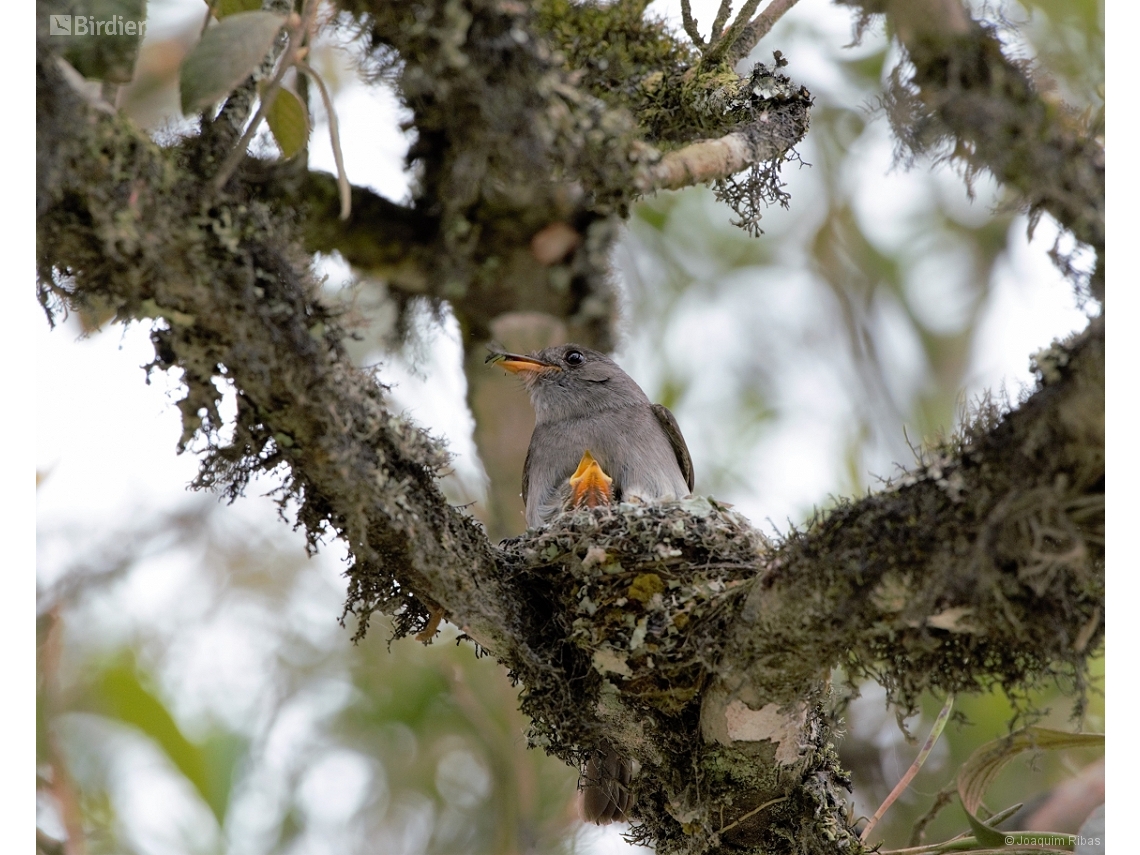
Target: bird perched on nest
pixel 597 440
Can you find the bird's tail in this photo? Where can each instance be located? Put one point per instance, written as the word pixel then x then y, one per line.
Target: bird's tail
pixel 604 795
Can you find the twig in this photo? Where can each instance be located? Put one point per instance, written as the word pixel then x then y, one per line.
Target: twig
pixel 699 162
pixel 719 48
pixel 721 19
pixel 935 732
pixel 751 814
pixel 690 24
pixel 238 151
pixel 435 615
pixel 761 25
pixel 762 140
pixel 334 136
pixel 961 843
pixel 294 53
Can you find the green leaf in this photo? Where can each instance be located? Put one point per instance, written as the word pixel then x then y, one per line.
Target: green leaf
pixel 221 753
pixel 979 771
pixel 104 37
pixel 223 8
pixel 125 698
pixel 288 122
pixel 120 695
pixel 983 833
pixel 228 53
pixel 654 217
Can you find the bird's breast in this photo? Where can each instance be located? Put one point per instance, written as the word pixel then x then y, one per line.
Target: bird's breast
pixel 629 445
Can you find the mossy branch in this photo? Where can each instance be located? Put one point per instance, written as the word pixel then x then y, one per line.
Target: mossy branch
pixel 778 114
pixel 992 550
pixel 982 567
pixel 123 225
pixel 757 28
pixel 380 238
pixel 676 633
pixel 961 96
pixel 711 160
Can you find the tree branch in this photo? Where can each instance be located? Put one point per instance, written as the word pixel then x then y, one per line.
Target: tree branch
pixel 675 633
pixel 692 30
pixel 985 564
pixel 704 649
pixel 759 27
pixel 964 94
pixel 780 114
pixel 237 305
pixel 721 43
pixel 380 238
pixel 989 556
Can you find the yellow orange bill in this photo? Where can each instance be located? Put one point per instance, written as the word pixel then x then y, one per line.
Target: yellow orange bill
pixel 518 364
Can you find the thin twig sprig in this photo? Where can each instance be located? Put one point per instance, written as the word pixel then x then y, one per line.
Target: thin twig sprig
pixel 334 135
pixel 736 40
pixel 904 782
pixel 300 29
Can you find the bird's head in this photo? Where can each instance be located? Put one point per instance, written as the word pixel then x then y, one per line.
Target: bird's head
pixel 568 381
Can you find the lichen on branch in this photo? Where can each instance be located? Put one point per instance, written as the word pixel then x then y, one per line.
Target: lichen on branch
pixel 676 633
pixel 702 649
pixel 958 95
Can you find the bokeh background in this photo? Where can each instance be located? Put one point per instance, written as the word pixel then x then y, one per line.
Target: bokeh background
pixel 197 693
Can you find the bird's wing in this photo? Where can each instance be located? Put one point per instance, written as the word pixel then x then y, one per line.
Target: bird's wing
pixel 526 472
pixel 673 431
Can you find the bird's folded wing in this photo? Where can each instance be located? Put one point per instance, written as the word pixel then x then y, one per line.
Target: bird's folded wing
pixel 673 431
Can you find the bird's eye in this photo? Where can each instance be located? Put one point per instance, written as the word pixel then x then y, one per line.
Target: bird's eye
pixel 574 357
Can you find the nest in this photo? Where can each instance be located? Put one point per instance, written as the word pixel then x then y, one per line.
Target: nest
pixel 629 607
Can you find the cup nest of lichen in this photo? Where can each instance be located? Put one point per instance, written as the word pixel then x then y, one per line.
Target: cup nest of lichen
pixel 627 608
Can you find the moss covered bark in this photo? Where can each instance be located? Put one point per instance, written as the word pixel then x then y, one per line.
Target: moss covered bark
pixel 961 96
pixel 676 633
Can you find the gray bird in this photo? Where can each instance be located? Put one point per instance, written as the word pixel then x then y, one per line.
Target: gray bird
pixel 584 403
pixel 597 439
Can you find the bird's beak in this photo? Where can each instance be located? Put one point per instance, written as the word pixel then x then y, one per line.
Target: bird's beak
pixel 519 364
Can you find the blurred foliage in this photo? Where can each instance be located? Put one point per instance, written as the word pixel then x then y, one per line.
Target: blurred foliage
pixel 422 747
pixel 799 363
pixel 878 753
